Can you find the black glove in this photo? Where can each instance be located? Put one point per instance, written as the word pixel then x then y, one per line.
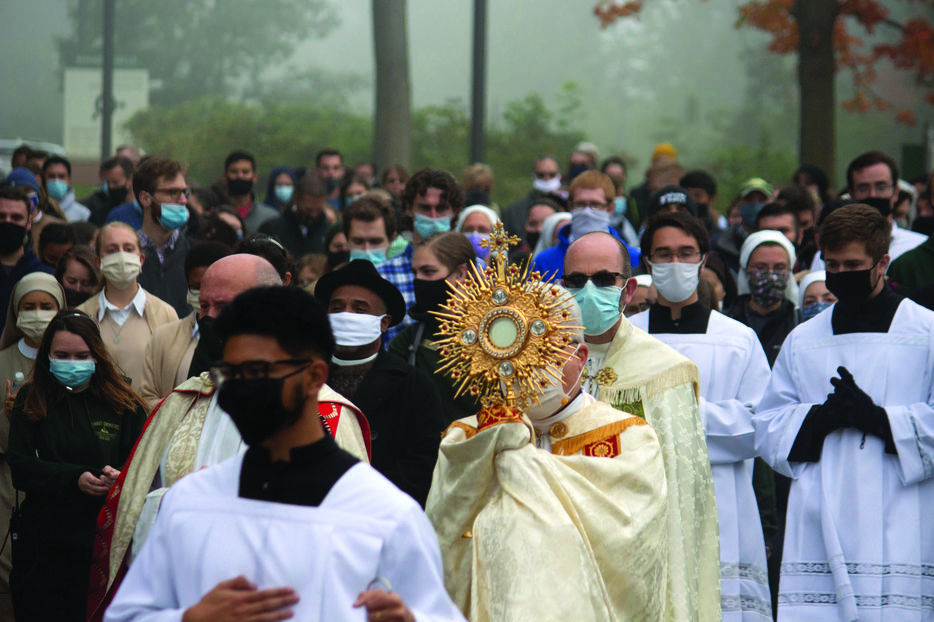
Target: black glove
pixel 820 421
pixel 866 415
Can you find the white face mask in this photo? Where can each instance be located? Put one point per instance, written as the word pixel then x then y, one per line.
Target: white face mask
pixel 120 269
pixel 586 220
pixel 675 281
pixel 547 185
pixel 355 329
pixel 34 323
pixel 553 398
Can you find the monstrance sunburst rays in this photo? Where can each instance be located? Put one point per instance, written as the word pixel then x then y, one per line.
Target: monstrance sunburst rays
pixel 504 324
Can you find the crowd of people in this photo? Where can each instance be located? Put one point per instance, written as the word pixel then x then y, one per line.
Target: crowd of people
pixel 742 427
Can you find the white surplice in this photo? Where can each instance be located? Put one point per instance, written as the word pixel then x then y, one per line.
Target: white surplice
pixel 733 374
pixel 859 538
pixel 364 529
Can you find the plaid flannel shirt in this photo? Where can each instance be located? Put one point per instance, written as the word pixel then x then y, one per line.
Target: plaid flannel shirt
pixel 398 271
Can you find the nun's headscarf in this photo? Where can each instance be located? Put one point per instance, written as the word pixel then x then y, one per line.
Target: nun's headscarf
pixel 33 282
pixel 555 221
pixel 754 241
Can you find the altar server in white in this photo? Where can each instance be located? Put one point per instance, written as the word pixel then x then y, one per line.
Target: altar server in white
pixel 296 527
pixel 733 374
pixel 848 415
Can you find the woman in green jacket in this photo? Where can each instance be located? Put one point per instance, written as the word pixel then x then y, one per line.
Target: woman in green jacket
pixel 73 426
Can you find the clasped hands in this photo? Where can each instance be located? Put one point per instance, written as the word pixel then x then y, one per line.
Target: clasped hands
pixel 850 407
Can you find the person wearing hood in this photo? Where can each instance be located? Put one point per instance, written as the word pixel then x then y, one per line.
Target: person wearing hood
pixel 440 262
pixel 551 228
pixel 73 426
pixel 546 183
pixel 36 299
pixel 753 195
pixel 476 223
pixel 280 188
pixel 43 211
pixel 56 174
pixel 591 199
pixel 16 259
pixel 815 297
pixel 768 290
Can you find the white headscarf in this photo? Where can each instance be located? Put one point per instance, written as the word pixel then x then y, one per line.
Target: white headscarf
pixel 548 230
pixel 817 276
pixel 754 241
pixel 473 209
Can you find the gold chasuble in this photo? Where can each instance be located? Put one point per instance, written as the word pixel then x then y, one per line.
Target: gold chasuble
pixel 566 525
pixel 642 375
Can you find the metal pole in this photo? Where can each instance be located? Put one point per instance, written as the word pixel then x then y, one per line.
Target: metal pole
pixel 478 95
pixel 107 94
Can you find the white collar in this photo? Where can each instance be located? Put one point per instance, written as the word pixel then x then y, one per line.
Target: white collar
pixel 196 331
pixel 26 350
pixel 104 305
pixel 572 407
pixel 345 363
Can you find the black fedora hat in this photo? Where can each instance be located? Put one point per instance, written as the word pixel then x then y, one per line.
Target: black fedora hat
pixel 363 273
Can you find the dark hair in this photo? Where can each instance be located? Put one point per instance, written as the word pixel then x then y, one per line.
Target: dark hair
pixel 614 160
pixel 426 178
pixel 856 223
pixel 214 229
pixel 269 248
pixel 208 198
pixel 56 233
pixel 114 161
pixel 369 209
pixel 452 249
pixel 56 159
pixel 814 175
pixel 398 169
pixel 351 178
pixel 679 220
pixel 328 151
pixel 701 180
pixel 151 170
pixel 716 265
pixel 37 154
pixel 290 315
pixel 106 384
pixel 310 185
pixel 85 232
pixel 203 254
pixel 238 156
pixel 777 208
pixel 870 158
pixel 797 198
pixel 83 255
pixel 22 150
pixel 17 193
pixel 333 230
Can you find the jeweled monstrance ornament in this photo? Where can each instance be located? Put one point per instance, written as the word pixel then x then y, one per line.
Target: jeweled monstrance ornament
pixel 504 331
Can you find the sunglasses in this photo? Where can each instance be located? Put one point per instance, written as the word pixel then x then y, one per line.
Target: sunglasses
pixel 603 278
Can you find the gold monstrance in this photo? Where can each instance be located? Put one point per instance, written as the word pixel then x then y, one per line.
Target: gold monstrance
pixel 504 328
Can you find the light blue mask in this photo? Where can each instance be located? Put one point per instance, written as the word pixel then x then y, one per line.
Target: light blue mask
pixel 284 193
pixel 425 226
pixel 57 188
pixel 72 374
pixel 813 309
pixel 619 206
pixel 173 216
pixel 376 256
pixel 599 307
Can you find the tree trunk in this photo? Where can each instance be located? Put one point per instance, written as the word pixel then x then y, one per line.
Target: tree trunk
pixel 816 79
pixel 393 116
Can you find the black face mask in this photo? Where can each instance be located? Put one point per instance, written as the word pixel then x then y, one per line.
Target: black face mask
pixel 117 195
pixel 256 408
pixel 239 187
pixel 73 297
pixel 11 237
pixel 332 184
pixel 853 287
pixel 532 238
pixel 430 295
pixel 209 349
pixel 337 258
pixel 577 169
pixel 883 205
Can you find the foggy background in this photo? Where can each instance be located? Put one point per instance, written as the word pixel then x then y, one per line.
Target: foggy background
pixel 681 72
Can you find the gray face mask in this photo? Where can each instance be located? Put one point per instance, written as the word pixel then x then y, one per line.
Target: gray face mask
pixel 587 220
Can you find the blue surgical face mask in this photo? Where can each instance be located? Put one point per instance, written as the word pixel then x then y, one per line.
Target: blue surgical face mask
pixel 72 374
pixel 813 309
pixel 748 213
pixel 57 188
pixel 284 193
pixel 425 226
pixel 173 216
pixel 619 206
pixel 475 239
pixel 376 256
pixel 599 307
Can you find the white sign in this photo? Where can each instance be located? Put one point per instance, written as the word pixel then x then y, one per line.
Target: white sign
pixel 83 107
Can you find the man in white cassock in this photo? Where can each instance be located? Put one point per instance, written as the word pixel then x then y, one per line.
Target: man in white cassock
pixel 635 373
pixel 848 416
pixel 296 526
pixel 733 374
pixel 557 513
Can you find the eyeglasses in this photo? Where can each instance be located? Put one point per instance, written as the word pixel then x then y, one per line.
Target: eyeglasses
pixel 684 255
pixel 252 371
pixel 881 188
pixel 175 193
pixel 590 204
pixel 603 278
pixel 546 174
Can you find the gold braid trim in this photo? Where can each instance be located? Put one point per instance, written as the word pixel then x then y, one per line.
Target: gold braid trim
pixel 497 414
pixel 571 446
pixel 469 430
pixel 682 373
